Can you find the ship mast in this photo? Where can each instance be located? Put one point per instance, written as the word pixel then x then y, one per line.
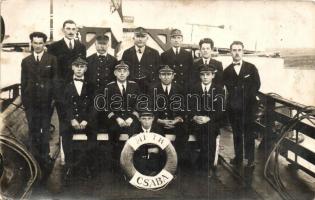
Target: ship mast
pixel 51 37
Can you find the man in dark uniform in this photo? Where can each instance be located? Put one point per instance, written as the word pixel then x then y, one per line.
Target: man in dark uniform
pixel 66 50
pixel 242 81
pixel 149 159
pixel 206 116
pixel 80 115
pixel 178 58
pixel 100 71
pixel 38 76
pixel 206 46
pixel 101 64
pixel 170 119
pixel 122 113
pixel 143 60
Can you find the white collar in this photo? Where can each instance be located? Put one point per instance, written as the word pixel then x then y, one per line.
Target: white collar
pixel 74 76
pixel 174 49
pixel 168 86
pixel 68 41
pixel 144 130
pixel 121 84
pixel 203 86
pixel 142 48
pixel 98 54
pixel 204 59
pixel 241 62
pixel 40 55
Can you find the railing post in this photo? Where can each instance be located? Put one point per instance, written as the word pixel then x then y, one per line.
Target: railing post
pixel 269 123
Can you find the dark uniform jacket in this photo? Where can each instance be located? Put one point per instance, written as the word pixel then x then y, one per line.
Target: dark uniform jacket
pixel 195 75
pixel 242 88
pixel 79 107
pixel 115 110
pixel 168 112
pixel 65 57
pixel 100 70
pixel 181 63
pixel 38 80
pixel 213 107
pixel 148 66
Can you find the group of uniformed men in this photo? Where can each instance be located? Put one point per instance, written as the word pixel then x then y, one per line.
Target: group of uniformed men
pixel 62 77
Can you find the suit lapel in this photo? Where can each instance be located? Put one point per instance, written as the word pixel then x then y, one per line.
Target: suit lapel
pixel 242 71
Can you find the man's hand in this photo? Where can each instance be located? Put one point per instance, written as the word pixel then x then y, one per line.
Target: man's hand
pixel 75 124
pixel 121 122
pixel 129 121
pixel 83 124
pixel 201 119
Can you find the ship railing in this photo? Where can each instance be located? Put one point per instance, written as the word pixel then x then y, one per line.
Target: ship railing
pixel 8 95
pixel 297 147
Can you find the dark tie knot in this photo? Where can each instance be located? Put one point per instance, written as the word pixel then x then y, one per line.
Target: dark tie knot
pixel 139 51
pixel 78 79
pixel 235 64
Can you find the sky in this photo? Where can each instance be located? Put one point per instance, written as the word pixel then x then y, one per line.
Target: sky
pixel 259 24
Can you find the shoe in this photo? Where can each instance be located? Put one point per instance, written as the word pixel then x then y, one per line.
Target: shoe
pixel 235 161
pixel 212 172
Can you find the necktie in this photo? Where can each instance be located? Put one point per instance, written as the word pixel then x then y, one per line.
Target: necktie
pixel 78 79
pixel 166 90
pixel 205 91
pixel 206 62
pixel 70 45
pixel 139 50
pixel 37 59
pixel 123 90
pixel 177 51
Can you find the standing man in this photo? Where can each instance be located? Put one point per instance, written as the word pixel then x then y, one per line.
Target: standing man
pixel 101 64
pixel 178 58
pixel 242 81
pixel 80 115
pixel 66 50
pixel 39 72
pixel 100 72
pixel 206 46
pixel 143 60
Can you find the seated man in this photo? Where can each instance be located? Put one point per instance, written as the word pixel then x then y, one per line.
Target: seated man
pixel 80 114
pixel 170 118
pixel 206 115
pixel 149 159
pixel 121 113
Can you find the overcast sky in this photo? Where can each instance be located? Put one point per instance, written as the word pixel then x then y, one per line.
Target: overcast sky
pixel 264 24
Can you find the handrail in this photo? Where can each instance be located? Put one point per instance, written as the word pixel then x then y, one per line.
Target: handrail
pixel 274 107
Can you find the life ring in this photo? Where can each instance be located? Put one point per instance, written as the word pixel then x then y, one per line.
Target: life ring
pixel 141 181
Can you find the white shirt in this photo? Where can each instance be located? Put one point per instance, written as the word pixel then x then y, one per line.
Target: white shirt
pixel 68 42
pixel 206 60
pixel 120 85
pixel 203 86
pixel 139 55
pixel 98 54
pixel 146 130
pixel 174 49
pixel 168 88
pixel 78 84
pixel 40 55
pixel 237 68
